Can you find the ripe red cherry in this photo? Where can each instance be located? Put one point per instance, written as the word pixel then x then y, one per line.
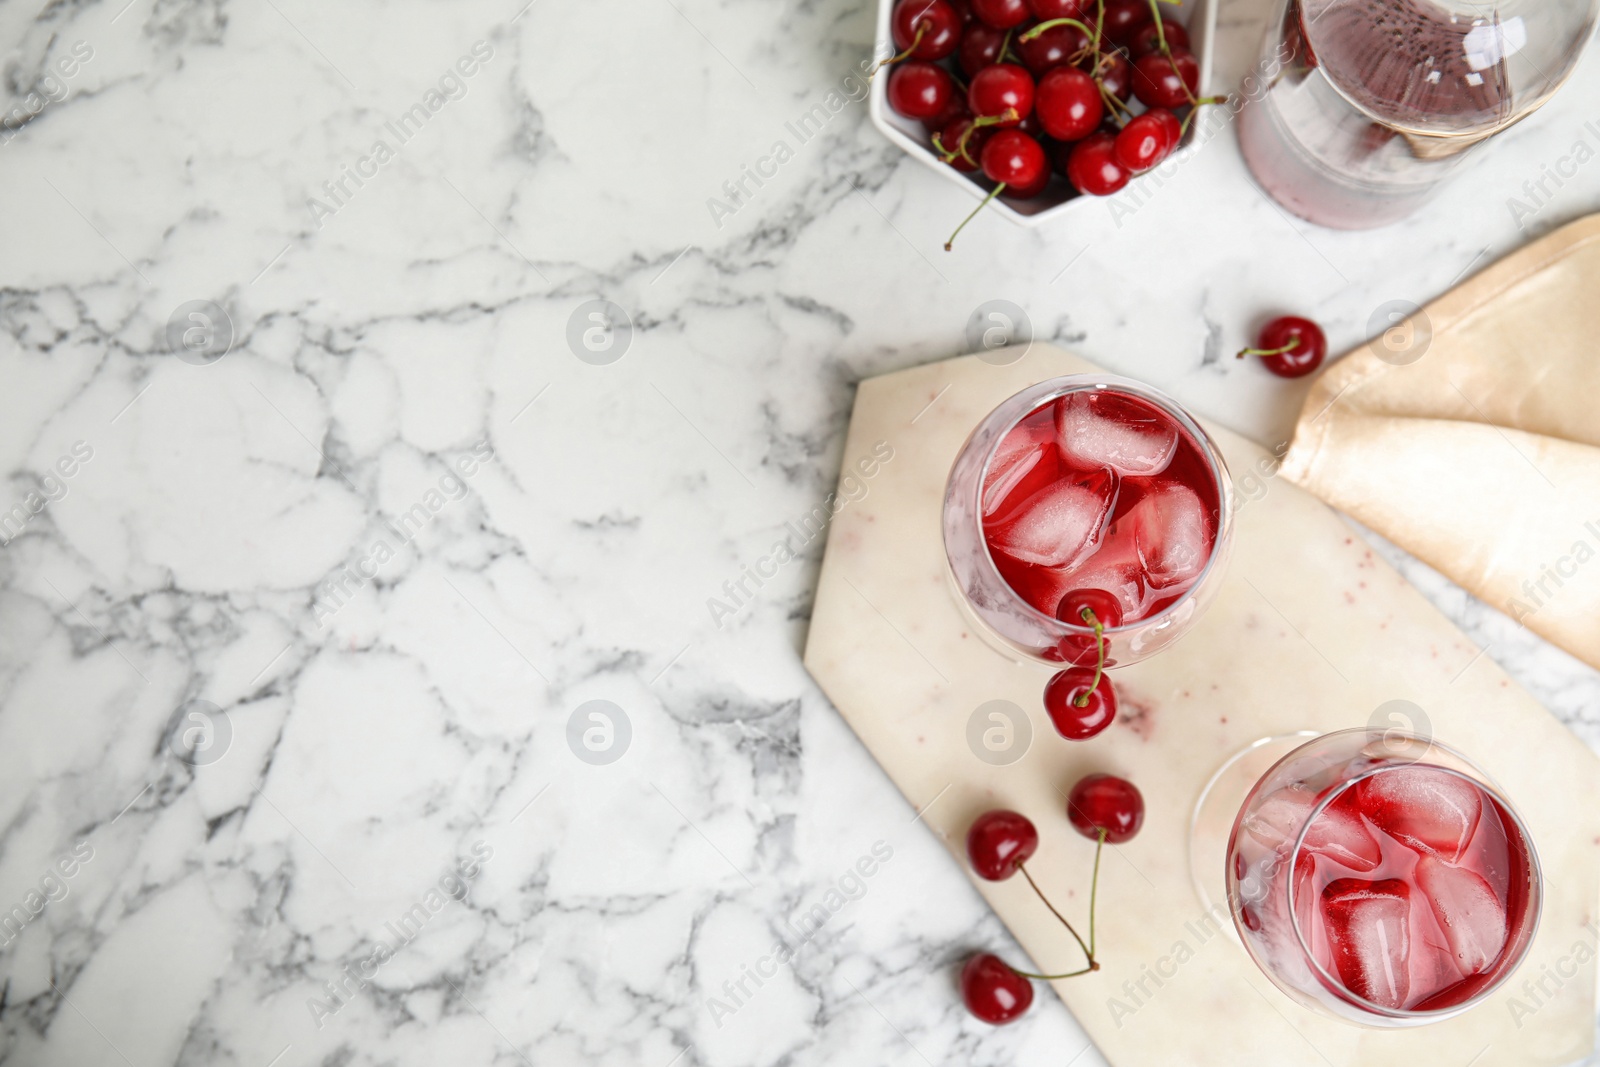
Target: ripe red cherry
pixel 1148 39
pixel 1124 18
pixel 999 842
pixel 1290 346
pixel 1147 139
pixel 1061 696
pixel 950 138
pixel 1105 802
pixel 1104 606
pixel 1115 73
pixel 1001 14
pixel 1163 81
pixel 980 47
pixel 1068 104
pixel 955 109
pixel 1013 157
pixel 1053 48
pixel 939 24
pixel 1092 166
pixel 993 991
pixel 919 89
pixel 1028 192
pixel 999 89
pixel 963 9
pixel 1045 10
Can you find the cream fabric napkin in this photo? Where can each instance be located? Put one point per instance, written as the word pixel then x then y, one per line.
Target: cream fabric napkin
pixel 1469 434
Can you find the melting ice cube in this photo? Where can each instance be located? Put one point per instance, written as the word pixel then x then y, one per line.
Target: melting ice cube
pixel 1368 930
pixel 1060 524
pixel 1173 532
pixel 1097 429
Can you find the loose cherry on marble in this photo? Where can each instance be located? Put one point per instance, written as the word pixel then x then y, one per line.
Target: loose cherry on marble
pixel 1148 38
pixel 1290 346
pixel 1080 703
pixel 1092 166
pixel 1147 139
pixel 999 842
pixel 919 89
pixel 1001 14
pixel 1124 18
pixel 1068 104
pixel 1014 161
pixel 1103 807
pixel 925 29
pixel 993 991
pixel 1002 92
pixel 981 45
pixel 1166 81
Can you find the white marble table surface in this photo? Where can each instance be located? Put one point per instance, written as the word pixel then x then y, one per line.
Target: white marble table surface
pixel 398 648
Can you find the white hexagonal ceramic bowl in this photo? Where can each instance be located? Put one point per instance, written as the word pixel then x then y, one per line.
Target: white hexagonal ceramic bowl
pixel 1199 18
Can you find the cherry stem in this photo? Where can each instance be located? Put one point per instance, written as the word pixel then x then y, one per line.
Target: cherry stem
pixel 1290 347
pixel 1183 127
pixel 1161 31
pixel 1049 23
pixel 1087 615
pixel 1053 977
pixel 992 194
pixel 1008 115
pixel 1094 889
pixel 946 155
pixel 922 28
pixel 1087 951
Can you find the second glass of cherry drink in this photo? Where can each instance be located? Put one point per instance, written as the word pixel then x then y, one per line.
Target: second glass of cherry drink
pixel 1382 878
pixel 1087 522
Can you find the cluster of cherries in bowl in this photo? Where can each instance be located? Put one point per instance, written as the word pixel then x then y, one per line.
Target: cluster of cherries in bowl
pixel 1031 83
pixel 1102 807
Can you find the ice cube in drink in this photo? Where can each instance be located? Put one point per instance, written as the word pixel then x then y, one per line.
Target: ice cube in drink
pixel 1100 490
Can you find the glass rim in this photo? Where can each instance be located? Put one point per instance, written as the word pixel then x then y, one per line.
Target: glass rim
pixel 1487 785
pixel 1052 389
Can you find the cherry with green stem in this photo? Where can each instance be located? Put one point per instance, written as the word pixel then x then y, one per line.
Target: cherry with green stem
pixel 1290 346
pixel 1011 159
pixel 999 844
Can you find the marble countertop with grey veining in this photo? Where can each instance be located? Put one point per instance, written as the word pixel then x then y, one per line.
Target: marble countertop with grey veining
pixel 362 697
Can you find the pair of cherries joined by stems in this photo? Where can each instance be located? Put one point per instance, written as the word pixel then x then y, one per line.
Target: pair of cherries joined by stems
pixel 1102 807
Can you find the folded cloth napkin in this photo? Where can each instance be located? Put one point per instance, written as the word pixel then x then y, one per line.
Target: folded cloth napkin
pixel 1468 433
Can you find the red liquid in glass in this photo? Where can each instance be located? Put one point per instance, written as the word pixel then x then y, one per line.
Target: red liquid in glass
pixel 1100 491
pixel 1408 887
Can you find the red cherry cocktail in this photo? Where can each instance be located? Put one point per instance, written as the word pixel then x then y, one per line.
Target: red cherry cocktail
pixel 1384 881
pixel 1087 500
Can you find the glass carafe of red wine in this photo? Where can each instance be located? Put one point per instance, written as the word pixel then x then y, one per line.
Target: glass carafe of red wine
pixel 1359 108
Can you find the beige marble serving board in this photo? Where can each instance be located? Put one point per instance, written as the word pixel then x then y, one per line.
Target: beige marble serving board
pixel 1311 631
